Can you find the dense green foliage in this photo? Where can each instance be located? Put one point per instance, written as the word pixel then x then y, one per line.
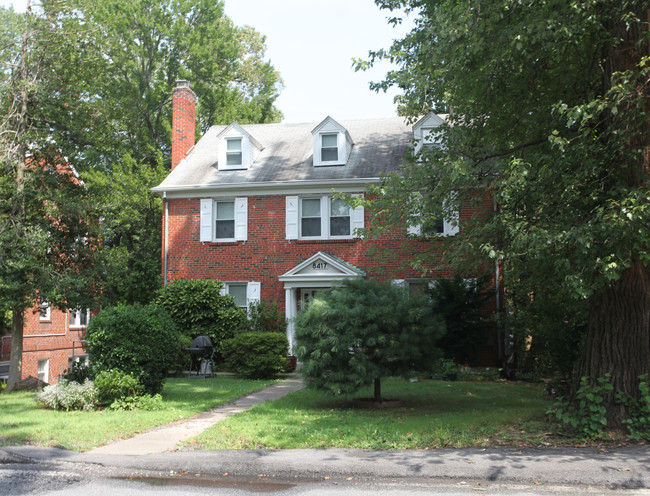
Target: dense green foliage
pixel 256 355
pixel 460 303
pixel 92 82
pixel 198 308
pixel 115 384
pixel 134 339
pixel 265 317
pixel 548 106
pixel 364 330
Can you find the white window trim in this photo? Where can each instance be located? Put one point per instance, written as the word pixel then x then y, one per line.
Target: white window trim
pixel 294 218
pixel 74 322
pixel 223 152
pixel 253 290
pixel 318 148
pixel 240 152
pixel 451 226
pixel 207 229
pixel 44 374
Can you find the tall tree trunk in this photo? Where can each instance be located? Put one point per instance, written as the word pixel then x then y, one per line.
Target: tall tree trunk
pixel 17 322
pixel 16 364
pixel 618 332
pixel 618 337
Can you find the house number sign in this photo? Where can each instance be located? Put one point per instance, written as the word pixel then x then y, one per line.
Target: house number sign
pixel 319 265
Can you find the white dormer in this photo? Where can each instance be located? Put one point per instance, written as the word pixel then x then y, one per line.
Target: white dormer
pixel 237 148
pixel 426 132
pixel 332 143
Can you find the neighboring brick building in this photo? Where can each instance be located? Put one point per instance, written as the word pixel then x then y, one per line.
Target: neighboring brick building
pixel 51 340
pixel 253 205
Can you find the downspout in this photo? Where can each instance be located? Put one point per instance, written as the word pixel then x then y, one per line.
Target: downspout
pixel 166 241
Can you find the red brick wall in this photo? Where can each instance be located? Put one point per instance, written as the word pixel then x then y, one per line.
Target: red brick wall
pixel 266 254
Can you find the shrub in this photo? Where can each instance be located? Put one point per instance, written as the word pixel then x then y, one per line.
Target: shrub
pixel 78 372
pixel 265 317
pixel 638 410
pixel 355 334
pixel 112 385
pixel 69 396
pixel 585 416
pixel 199 309
pixel 135 339
pixel 460 303
pixel 144 402
pixel 256 355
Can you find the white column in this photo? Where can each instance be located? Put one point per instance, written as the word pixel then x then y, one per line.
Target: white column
pixel 291 310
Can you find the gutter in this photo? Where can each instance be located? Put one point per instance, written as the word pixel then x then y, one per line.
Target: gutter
pixel 277 187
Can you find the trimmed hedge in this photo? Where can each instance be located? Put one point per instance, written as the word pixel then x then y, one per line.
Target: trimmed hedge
pixel 135 339
pixel 256 355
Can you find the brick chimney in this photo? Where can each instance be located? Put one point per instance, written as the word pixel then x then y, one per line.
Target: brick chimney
pixel 183 120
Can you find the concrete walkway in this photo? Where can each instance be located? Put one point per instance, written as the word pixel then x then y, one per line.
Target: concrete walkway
pixel 165 438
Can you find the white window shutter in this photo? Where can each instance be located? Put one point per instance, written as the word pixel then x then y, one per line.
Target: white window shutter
pixel 253 292
pixel 241 219
pixel 357 214
pixel 224 289
pixel 400 283
pixel 451 224
pixel 325 216
pixel 205 232
pixel 292 217
pixel 415 230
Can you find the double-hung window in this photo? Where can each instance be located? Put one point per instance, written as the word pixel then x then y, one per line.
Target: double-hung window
pixel 329 151
pixel 339 218
pixel 310 218
pixel 234 152
pixel 224 220
pixel 322 217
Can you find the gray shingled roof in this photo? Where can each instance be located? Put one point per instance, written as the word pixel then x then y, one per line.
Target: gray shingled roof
pixel 379 147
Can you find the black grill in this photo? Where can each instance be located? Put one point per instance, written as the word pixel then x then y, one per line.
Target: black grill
pixel 201 354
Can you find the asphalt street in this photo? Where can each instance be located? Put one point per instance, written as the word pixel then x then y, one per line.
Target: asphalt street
pixel 25 470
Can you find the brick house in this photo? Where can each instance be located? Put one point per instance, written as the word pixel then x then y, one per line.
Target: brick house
pixel 253 205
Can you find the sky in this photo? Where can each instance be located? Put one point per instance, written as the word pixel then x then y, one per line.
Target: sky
pixel 312 44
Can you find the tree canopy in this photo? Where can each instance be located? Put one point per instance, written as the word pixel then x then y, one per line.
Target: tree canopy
pixel 548 105
pixel 86 86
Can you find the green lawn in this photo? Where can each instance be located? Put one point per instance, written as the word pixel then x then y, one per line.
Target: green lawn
pixel 22 420
pixel 432 414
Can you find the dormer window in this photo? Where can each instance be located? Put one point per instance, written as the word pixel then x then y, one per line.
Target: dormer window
pixel 233 152
pixel 237 148
pixel 427 132
pixel 329 148
pixel 332 143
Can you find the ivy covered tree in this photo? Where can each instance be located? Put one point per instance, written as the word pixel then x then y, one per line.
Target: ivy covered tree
pixel 363 330
pixel 548 105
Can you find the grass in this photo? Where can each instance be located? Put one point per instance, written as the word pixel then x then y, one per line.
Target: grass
pixel 22 420
pixel 433 414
